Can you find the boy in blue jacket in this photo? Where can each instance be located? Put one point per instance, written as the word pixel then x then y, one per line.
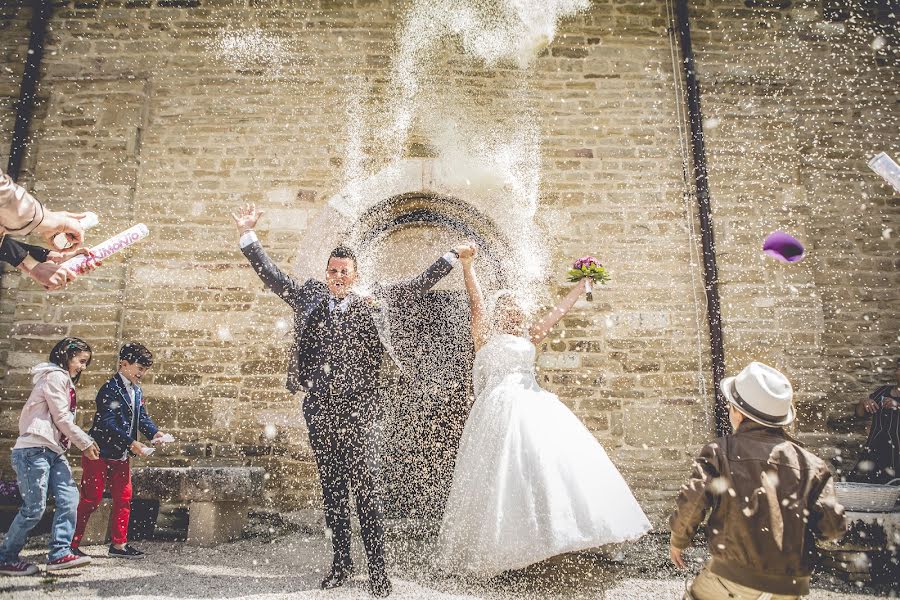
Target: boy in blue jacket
pixel 120 417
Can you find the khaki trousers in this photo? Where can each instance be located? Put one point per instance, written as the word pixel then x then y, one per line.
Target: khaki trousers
pixel 707 586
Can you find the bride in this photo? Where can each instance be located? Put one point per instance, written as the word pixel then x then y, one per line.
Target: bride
pixel 530 481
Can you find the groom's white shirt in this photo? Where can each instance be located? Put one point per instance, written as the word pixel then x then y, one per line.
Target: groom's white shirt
pixel 341 306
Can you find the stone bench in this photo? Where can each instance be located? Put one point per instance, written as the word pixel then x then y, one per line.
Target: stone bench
pixel 218 499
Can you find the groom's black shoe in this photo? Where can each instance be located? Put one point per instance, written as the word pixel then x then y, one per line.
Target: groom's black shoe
pixel 337 577
pixel 380 585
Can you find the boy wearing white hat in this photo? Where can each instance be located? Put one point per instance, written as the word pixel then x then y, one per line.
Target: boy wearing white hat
pixel 768 498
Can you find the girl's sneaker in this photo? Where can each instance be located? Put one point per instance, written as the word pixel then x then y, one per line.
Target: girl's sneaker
pixel 69 561
pixel 127 552
pixel 17 569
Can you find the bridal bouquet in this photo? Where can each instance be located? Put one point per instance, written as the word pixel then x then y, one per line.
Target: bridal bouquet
pixel 588 268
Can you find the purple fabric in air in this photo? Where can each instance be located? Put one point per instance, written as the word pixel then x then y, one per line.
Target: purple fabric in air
pixel 784 247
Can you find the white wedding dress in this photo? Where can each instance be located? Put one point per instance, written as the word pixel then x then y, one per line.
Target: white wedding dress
pixel 530 480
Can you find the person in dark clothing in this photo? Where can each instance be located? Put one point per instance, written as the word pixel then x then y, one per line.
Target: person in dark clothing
pixel 340 340
pixel 880 458
pixel 13 251
pixel 120 418
pixel 42 265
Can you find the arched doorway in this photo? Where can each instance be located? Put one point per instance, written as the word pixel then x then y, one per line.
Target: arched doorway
pixel 442 219
pixel 422 413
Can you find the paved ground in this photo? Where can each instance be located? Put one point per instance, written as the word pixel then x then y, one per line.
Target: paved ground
pixel 289 564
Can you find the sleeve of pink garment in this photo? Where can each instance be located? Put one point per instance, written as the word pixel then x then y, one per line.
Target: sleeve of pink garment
pixel 56 391
pixel 20 212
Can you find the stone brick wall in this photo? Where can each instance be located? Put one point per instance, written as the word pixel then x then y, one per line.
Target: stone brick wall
pixel 14 44
pixel 801 99
pixel 141 122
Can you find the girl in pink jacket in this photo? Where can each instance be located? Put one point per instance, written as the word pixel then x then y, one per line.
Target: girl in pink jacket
pixel 46 429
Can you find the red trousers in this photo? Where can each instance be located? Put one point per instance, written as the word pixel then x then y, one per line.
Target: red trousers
pixel 93 481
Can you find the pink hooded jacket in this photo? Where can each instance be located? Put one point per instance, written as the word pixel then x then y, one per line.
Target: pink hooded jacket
pixel 46 417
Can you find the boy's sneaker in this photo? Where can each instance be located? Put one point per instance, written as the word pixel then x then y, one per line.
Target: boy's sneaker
pixel 69 561
pixel 127 552
pixel 18 568
pixel 78 552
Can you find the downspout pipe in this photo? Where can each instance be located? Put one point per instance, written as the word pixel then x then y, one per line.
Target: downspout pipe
pixel 701 185
pixel 40 16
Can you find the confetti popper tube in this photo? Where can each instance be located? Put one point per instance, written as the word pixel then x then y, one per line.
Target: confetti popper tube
pixel 885 166
pixel 118 242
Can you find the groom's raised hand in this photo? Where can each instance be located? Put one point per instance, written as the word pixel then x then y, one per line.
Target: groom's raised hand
pixel 246 217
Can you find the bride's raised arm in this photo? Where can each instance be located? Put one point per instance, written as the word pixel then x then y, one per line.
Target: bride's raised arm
pixel 480 325
pixel 539 330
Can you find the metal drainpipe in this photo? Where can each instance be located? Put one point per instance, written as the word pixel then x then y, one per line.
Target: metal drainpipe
pixel 701 183
pixel 25 108
pixel 40 15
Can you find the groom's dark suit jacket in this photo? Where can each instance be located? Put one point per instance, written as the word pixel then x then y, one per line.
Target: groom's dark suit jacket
pixel 359 332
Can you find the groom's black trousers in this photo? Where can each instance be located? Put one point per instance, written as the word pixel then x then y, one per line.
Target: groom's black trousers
pixel 341 432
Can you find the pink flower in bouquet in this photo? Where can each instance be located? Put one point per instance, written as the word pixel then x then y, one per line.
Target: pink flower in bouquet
pixel 586 261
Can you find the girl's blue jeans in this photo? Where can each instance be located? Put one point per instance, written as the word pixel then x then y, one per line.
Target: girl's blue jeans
pixel 38 471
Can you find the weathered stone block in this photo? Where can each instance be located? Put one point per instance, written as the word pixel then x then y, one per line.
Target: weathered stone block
pixel 97 531
pixel 200 484
pixel 211 523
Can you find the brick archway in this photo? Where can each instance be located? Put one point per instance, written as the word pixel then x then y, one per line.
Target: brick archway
pixel 428 210
pixel 426 193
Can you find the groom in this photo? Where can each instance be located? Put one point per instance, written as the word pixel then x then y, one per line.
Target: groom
pixel 340 339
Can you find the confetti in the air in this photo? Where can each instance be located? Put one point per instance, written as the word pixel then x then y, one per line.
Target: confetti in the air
pixel 248 48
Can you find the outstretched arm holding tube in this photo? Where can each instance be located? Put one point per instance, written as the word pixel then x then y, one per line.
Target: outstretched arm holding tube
pixel 40 264
pixel 22 214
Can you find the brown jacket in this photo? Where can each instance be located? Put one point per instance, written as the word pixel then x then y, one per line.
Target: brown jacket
pixel 769 498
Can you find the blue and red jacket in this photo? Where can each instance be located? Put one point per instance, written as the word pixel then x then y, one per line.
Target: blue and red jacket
pixel 114 427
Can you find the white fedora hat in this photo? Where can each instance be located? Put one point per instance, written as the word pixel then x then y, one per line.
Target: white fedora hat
pixel 762 393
